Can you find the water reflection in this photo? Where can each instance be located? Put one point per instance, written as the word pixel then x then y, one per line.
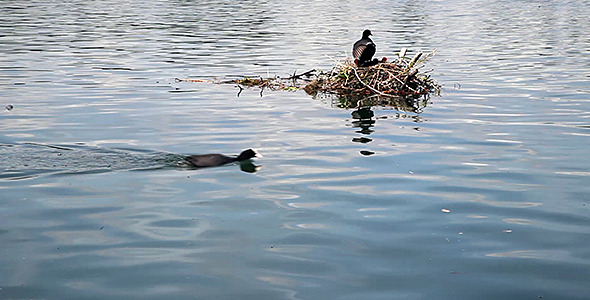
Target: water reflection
pixel 411 103
pixel 246 166
pixel 249 167
pixel 364 120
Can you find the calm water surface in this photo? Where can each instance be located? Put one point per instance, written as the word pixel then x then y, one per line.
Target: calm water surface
pixel 482 194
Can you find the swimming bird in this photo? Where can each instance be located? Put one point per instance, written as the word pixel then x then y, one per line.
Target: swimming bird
pixel 216 159
pixel 363 50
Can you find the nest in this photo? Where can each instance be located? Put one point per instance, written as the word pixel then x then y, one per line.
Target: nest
pixel 402 77
pixel 382 82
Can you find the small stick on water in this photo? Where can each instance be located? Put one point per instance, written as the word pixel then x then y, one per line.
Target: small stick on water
pixel 402 52
pixel 413 61
pixel 307 74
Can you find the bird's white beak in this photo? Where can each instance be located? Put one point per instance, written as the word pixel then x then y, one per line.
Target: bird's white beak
pixel 257 154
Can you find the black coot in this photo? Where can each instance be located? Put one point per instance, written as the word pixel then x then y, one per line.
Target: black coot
pixel 216 159
pixel 364 49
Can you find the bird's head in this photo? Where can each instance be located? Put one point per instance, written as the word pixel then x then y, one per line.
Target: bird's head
pixel 366 33
pixel 247 154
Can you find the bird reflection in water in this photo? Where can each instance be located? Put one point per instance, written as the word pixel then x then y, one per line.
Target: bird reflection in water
pixel 364 120
pixel 249 167
pixel 245 166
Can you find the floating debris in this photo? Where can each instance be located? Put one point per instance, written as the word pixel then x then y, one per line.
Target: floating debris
pixel 386 83
pixel 9 107
pixel 445 210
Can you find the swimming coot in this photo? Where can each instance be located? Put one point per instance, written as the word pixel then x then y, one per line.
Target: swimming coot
pixel 363 50
pixel 216 159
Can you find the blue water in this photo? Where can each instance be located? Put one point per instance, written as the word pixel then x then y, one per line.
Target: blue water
pixel 481 193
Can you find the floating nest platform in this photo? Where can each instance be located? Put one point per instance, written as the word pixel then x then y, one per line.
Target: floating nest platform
pixel 382 84
pixel 397 78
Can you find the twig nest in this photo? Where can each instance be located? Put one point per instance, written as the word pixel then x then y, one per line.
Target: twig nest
pixel 398 78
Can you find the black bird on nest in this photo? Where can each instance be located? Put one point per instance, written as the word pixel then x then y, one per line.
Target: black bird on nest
pixel 363 51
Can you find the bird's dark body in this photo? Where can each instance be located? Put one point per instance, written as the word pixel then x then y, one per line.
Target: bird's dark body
pixel 364 49
pixel 216 159
pixel 209 160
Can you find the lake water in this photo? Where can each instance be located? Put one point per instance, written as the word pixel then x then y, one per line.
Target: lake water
pixel 484 193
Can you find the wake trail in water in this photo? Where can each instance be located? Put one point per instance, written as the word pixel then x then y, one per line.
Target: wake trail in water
pixel 30 160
